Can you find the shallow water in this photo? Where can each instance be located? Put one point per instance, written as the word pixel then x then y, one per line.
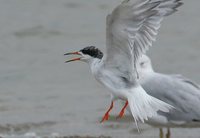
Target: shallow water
pixel 42 96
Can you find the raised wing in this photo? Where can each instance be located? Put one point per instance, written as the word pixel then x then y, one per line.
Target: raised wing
pixel 131 29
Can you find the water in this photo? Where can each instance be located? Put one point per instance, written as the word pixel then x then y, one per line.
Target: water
pixel 42 96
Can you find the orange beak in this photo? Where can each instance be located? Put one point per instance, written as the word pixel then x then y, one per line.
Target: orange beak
pixel 73 53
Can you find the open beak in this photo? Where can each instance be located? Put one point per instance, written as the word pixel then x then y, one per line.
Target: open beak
pixel 74 59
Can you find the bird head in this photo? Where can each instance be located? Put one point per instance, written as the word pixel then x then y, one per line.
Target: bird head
pixel 87 54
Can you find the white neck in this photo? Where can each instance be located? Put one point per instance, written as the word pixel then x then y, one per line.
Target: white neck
pixel 94 64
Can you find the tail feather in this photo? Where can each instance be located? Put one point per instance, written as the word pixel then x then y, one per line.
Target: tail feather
pixel 144 106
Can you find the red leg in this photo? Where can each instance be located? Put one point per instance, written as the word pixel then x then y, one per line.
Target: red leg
pixel 106 116
pixel 121 114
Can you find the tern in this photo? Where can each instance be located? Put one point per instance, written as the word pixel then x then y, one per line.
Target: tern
pixel 131 29
pixel 176 90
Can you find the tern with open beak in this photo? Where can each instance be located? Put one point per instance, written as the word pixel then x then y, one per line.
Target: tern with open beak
pixel 131 29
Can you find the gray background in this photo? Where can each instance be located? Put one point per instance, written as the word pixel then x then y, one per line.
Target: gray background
pixel 41 94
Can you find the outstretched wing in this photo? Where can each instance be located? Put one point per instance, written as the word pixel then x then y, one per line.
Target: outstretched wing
pixel 131 29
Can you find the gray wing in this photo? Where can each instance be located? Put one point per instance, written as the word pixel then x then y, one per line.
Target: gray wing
pixel 186 80
pixel 131 29
pixel 177 91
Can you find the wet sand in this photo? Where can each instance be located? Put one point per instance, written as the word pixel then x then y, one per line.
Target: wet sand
pixel 41 95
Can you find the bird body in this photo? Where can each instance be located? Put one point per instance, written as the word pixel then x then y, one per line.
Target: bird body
pixel 142 105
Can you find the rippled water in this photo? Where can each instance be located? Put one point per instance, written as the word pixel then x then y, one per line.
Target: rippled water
pixel 42 96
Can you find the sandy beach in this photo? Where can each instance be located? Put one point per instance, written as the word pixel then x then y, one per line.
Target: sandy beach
pixel 41 96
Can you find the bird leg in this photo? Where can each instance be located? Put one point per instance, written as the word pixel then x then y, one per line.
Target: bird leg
pixel 106 116
pixel 161 132
pixel 168 135
pixel 121 114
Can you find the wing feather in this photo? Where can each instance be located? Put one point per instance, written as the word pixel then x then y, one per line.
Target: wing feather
pixel 131 29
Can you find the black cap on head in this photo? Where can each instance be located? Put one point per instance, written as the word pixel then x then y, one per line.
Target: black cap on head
pixel 92 51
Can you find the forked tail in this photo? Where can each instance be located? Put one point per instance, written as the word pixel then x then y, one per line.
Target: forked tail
pixel 144 106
